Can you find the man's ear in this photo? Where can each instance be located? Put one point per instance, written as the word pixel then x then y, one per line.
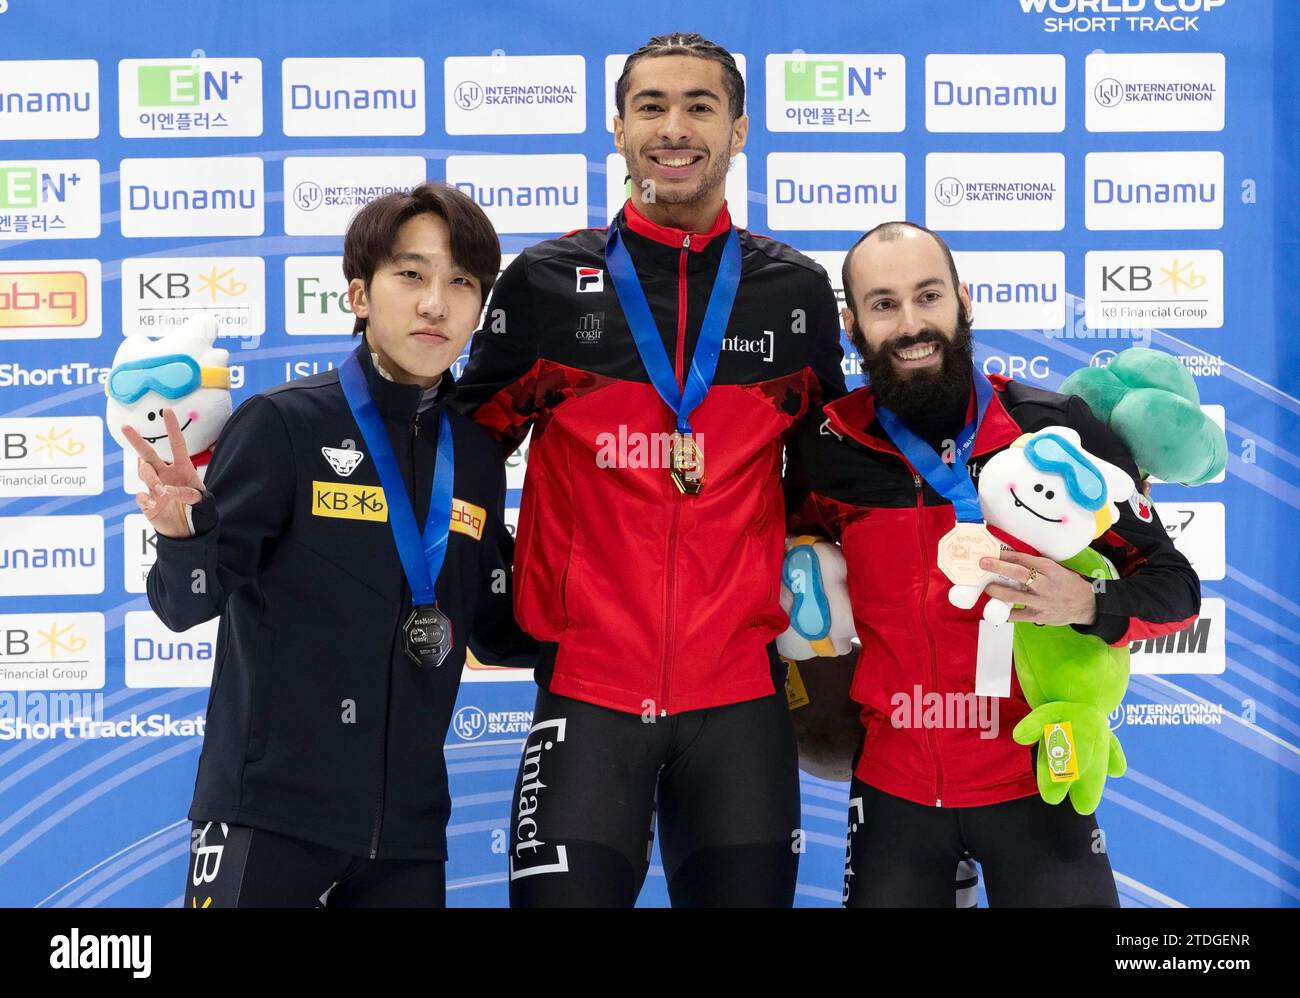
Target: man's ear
pixel 968 310
pixel 847 317
pixel 619 135
pixel 357 299
pixel 739 132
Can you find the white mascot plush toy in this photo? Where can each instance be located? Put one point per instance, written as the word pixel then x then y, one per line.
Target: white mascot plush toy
pixel 815 593
pixel 182 371
pixel 1046 491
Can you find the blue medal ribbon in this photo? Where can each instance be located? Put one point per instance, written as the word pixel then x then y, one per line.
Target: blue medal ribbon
pixel 952 482
pixel 649 344
pixel 421 555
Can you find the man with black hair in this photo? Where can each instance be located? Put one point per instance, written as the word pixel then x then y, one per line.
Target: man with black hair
pixel 349 534
pixel 660 364
pixel 925 798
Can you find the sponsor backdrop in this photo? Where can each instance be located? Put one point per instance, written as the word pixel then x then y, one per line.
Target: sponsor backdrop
pixel 1109 172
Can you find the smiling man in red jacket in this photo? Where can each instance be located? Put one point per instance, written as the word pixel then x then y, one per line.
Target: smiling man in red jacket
pixel 927 794
pixel 660 364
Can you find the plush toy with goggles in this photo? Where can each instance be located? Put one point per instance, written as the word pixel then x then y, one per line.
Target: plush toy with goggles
pixel 182 371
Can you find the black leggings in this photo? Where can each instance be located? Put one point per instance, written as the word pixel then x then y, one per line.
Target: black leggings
pixel 725 782
pixel 1031 853
pixel 232 866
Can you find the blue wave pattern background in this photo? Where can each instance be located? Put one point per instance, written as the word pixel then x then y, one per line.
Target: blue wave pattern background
pixel 1207 814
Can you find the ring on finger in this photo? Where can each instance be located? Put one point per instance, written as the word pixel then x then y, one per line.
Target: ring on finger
pixel 1033 576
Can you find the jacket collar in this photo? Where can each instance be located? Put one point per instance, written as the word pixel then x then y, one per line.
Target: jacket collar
pixel 669 236
pixel 394 400
pixel 854 416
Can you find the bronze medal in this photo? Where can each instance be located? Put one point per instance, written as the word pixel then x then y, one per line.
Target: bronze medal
pixel 961 549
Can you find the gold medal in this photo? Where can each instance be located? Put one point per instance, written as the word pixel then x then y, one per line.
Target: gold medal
pixel 961 549
pixel 688 464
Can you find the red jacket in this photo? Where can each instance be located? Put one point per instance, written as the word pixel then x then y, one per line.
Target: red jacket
pixel 656 600
pixel 847 480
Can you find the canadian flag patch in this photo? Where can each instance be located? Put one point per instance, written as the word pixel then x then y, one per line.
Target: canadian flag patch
pixel 1141 507
pixel 344 461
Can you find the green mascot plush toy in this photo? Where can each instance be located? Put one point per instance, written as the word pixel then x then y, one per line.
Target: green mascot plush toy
pixel 1150 402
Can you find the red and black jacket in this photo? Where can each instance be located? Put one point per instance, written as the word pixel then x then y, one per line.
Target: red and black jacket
pixel 654 599
pixel 847 480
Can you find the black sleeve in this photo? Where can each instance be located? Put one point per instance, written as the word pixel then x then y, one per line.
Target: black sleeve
pixel 248 502
pixel 828 355
pixel 1158 591
pixel 496 637
pixel 802 513
pixel 497 386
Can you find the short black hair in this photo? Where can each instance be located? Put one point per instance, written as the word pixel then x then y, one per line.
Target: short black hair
pixel 686 43
pixel 889 232
pixel 372 234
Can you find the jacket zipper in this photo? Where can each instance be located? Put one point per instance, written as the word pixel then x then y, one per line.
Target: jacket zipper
pixel 681 308
pixel 378 824
pixel 929 635
pixel 670 617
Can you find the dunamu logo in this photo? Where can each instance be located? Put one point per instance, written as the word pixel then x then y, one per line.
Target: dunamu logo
pixel 142 197
pixel 303 96
pixel 530 855
pixel 519 196
pixel 947 94
pixel 791 192
pixel 1106 191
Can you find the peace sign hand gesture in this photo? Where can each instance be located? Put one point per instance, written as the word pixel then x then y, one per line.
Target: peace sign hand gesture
pixel 170 488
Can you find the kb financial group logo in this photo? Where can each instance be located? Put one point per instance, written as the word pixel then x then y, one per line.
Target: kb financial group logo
pixel 51 651
pixel 49 99
pixel 188 98
pixel 161 293
pixel 1177 289
pixel 515 95
pixel 836 92
pixel 52 456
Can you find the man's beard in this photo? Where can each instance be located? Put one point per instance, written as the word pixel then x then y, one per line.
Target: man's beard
pixel 922 393
pixel 646 191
